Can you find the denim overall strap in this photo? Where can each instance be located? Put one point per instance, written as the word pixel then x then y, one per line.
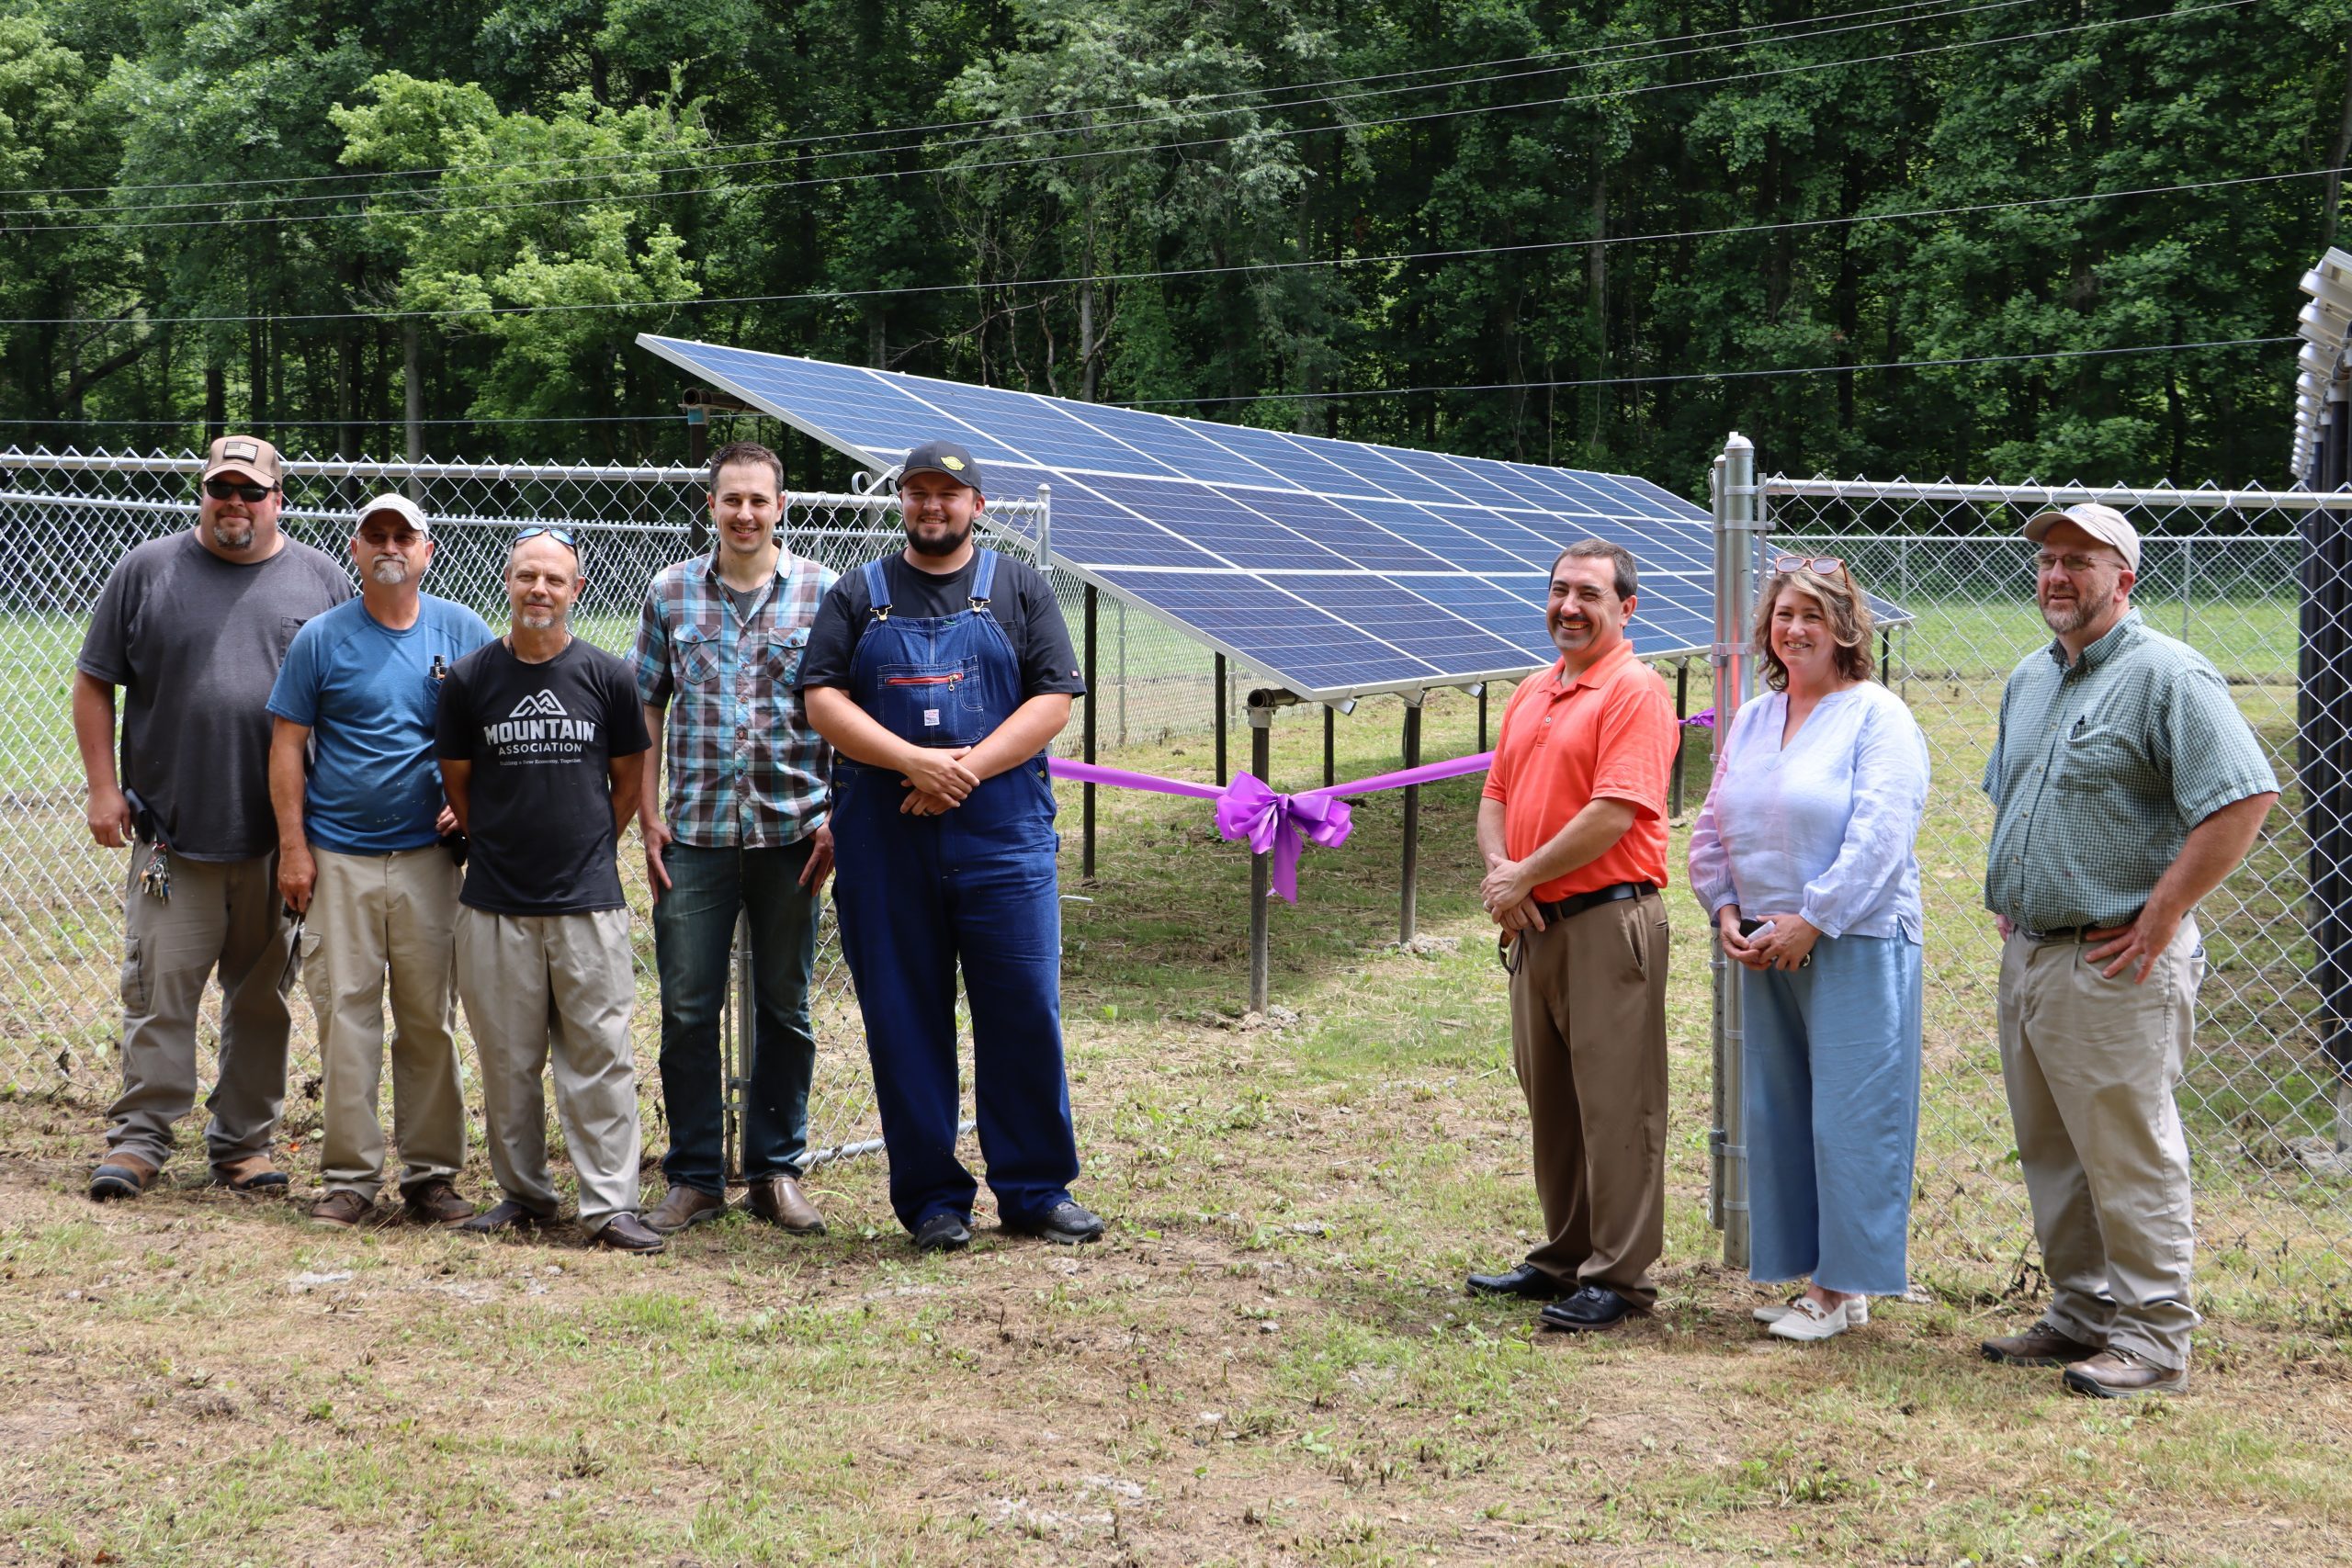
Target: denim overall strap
pixel 974 888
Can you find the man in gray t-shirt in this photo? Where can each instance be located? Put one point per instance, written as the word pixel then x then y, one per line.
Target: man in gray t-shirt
pixel 193 628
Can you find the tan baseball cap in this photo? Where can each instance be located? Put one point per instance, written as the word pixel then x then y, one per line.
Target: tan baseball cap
pixel 398 506
pixel 246 454
pixel 2101 523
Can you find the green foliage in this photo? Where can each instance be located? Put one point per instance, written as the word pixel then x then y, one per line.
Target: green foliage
pixel 859 179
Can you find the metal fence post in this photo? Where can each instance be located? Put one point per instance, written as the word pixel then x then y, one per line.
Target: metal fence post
pixel 741 1041
pixel 1738 525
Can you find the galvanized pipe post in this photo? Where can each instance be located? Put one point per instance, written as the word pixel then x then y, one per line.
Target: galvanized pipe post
pixel 1263 705
pixel 741 1041
pixel 1330 755
pixel 1093 709
pixel 1739 525
pixel 1222 777
pixel 1406 915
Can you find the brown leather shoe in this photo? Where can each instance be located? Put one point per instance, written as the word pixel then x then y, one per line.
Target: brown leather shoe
pixel 436 1202
pixel 254 1173
pixel 341 1208
pixel 2041 1346
pixel 626 1233
pixel 2118 1374
pixel 684 1206
pixel 779 1201
pixel 121 1176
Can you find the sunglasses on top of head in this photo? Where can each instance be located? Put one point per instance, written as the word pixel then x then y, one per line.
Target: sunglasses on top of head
pixel 238 490
pixel 561 536
pixel 1824 566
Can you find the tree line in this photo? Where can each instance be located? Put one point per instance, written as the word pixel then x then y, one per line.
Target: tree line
pixel 1594 234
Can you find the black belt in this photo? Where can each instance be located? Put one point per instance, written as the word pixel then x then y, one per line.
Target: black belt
pixel 1576 903
pixel 2075 934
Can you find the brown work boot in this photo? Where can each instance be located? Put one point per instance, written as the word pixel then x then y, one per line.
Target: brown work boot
pixel 684 1206
pixel 121 1176
pixel 2118 1374
pixel 779 1201
pixel 341 1208
pixel 251 1173
pixel 626 1233
pixel 435 1201
pixel 2041 1346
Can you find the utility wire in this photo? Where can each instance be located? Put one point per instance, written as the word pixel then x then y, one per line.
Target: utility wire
pixel 1284 133
pixel 1383 259
pixel 1929 10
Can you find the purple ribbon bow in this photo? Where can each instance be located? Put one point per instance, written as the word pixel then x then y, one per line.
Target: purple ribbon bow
pixel 1280 824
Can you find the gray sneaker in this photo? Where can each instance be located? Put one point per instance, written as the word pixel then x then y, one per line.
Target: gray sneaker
pixel 2118 1374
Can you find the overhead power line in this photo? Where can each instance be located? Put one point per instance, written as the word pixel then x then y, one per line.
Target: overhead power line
pixel 1925 10
pixel 1070 280
pixel 1089 154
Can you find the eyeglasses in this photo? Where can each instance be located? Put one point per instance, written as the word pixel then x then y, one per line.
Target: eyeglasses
pixel 561 536
pixel 2076 566
pixel 224 490
pixel 1824 564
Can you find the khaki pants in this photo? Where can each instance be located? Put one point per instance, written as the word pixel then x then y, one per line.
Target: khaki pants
pixel 368 915
pixel 1588 1034
pixel 2091 1065
pixel 559 987
pixel 223 916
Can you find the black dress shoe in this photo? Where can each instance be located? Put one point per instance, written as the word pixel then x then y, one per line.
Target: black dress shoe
pixel 506 1217
pixel 1595 1306
pixel 1526 1281
pixel 944 1232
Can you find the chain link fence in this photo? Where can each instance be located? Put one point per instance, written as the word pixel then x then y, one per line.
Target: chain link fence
pixel 72 516
pixel 2269 1109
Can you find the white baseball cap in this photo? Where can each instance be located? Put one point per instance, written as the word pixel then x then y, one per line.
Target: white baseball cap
pixel 2101 523
pixel 401 506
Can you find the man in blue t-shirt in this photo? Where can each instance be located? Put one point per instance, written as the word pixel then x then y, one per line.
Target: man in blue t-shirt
pixel 360 824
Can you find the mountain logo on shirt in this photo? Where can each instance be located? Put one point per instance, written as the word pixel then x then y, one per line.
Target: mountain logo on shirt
pixel 539 705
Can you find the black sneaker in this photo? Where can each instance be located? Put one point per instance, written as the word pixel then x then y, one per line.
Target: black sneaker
pixel 944 1232
pixel 1069 1224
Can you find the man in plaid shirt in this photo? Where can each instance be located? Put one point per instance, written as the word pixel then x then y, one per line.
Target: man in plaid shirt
pixel 718 648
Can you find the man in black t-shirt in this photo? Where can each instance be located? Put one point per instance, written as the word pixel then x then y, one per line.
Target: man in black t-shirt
pixel 542 744
pixel 939 675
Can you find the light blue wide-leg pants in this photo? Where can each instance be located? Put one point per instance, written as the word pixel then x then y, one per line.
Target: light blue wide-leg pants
pixel 1832 1097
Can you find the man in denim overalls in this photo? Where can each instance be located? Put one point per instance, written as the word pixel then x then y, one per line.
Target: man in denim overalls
pixel 939 675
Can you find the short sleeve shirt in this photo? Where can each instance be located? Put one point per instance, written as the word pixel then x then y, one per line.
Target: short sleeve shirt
pixel 2099 770
pixel 1608 733
pixel 1022 600
pixel 368 693
pixel 745 768
pixel 539 802
pixel 195 643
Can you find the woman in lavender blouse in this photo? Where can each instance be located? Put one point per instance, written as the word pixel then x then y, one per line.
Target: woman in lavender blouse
pixel 1803 853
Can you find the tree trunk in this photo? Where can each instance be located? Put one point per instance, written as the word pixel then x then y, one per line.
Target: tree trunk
pixel 216 397
pixel 2343 149
pixel 1086 344
pixel 1596 284
pixel 412 386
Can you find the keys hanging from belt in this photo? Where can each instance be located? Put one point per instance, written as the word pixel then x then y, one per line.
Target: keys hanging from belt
pixel 155 877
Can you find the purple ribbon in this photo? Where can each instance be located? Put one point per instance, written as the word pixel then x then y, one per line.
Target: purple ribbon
pixel 1278 825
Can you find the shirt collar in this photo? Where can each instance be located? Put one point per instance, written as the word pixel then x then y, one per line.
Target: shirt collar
pixel 2121 635
pixel 1594 674
pixel 710 564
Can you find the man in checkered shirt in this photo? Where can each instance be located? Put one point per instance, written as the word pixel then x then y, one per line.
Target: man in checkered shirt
pixel 2125 786
pixel 717 649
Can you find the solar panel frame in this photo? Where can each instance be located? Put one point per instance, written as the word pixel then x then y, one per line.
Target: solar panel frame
pixel 1247 540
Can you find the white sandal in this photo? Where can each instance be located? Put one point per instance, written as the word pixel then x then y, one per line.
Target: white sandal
pixel 1858 1311
pixel 1808 1319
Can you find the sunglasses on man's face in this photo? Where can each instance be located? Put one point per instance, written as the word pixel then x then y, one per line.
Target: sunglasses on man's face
pixel 237 489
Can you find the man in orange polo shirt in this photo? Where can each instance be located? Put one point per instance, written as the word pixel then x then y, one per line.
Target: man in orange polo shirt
pixel 1573 826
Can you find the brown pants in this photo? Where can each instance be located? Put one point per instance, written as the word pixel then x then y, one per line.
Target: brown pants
pixel 1587 1032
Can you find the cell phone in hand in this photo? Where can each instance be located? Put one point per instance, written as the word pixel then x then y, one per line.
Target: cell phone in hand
pixel 1752 929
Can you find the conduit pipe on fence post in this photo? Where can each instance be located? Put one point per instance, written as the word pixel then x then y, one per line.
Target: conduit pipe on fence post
pixel 1263 704
pixel 1739 522
pixel 1407 915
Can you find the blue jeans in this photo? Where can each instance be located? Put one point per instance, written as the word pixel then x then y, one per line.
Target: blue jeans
pixel 693 928
pixel 1832 1114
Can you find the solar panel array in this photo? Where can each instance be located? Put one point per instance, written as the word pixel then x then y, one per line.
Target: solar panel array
pixel 1339 568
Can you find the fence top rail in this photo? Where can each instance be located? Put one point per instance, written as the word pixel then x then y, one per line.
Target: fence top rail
pixel 876 502
pixel 1820 489
pixel 2004 537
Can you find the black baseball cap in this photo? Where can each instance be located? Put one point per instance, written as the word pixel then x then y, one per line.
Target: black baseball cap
pixel 943 458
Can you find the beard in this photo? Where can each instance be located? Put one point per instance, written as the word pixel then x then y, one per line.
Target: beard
pixel 535 619
pixel 946 545
pixel 234 533
pixel 2066 618
pixel 388 573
